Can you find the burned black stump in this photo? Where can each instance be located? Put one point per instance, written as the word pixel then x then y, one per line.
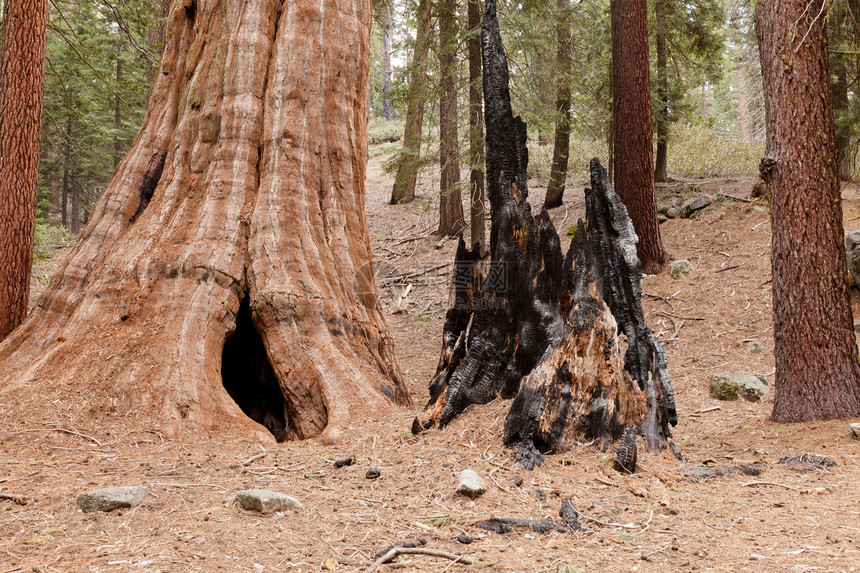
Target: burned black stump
pixel 531 324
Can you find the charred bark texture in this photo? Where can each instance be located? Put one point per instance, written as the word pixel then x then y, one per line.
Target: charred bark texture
pixel 531 324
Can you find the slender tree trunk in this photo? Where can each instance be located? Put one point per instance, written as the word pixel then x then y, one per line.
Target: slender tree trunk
pixel 743 101
pixel 817 373
pixel 477 194
pixel 22 73
pixel 451 219
pixel 67 167
pixel 75 225
pixel 561 149
pixel 117 142
pixel 634 151
pixel 705 112
pixel 410 155
pixel 235 222
pixel 662 94
pixel 387 105
pixel 841 105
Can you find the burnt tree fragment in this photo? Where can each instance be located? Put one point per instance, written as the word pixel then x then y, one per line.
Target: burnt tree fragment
pixel 529 323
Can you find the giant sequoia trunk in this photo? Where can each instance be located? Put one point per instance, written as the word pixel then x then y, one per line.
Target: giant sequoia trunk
pixel 817 373
pixel 229 253
pixel 531 324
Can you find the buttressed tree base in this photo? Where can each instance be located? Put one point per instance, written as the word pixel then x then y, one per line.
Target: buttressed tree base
pixel 229 254
pixel 531 324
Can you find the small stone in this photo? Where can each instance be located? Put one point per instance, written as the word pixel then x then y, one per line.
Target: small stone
pixel 372 473
pixel 516 481
pixel 111 498
pixel 755 347
pixel 661 218
pixel 730 387
pixel 464 539
pixel 681 269
pixel 265 501
pixel 471 484
pixel 673 212
pixel 694 204
pixel 856 429
pixel 857 328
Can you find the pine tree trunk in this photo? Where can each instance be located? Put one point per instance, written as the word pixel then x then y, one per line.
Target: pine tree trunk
pixel 22 72
pixel 451 219
pixel 634 151
pixel 561 148
pixel 662 94
pixel 410 155
pixel 817 373
pixel 477 194
pixel 235 222
pixel 743 101
pixel 117 122
pixel 75 224
pixel 387 105
pixel 533 325
pixel 67 168
pixel 841 104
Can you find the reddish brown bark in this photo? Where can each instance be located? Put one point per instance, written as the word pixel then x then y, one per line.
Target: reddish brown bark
pixel 22 75
pixel 407 169
pixel 561 147
pixel 817 373
pixel 662 119
pixel 451 219
pixel 477 192
pixel 245 187
pixel 634 152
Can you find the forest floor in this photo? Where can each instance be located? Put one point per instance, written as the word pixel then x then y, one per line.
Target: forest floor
pixel 790 518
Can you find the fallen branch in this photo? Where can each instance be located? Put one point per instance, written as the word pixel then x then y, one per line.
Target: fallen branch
pixel 253 459
pixel 395 551
pixel 16 497
pixel 757 483
pixel 61 430
pixel 670 315
pixel 741 199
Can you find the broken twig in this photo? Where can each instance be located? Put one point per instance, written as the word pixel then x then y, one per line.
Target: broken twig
pixel 395 551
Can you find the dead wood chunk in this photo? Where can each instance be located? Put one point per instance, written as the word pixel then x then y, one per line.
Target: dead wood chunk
pixel 752 470
pixel 569 514
pixel 505 525
pixel 808 460
pixel 760 189
pixel 625 456
pixel 420 542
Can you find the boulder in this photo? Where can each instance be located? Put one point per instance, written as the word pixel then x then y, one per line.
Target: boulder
pixel 856 429
pixel 852 252
pixel 681 269
pixel 755 347
pixel 730 387
pixel 693 205
pixel 265 501
pixel 111 498
pixel 471 484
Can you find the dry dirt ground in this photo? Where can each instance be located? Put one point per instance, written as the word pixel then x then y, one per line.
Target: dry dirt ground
pixel 787 519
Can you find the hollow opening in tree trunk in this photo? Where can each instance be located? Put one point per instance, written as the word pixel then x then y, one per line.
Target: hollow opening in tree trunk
pixel 150 182
pixel 250 380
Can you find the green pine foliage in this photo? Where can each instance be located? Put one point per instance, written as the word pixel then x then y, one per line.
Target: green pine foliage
pixel 81 140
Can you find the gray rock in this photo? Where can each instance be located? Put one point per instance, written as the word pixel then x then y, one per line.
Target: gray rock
pixel 755 347
pixel 661 218
pixel 856 429
pixel 673 213
pixel 693 205
pixel 668 206
pixel 730 387
pixel 471 484
pixel 681 269
pixel 857 328
pixel 111 498
pixel 852 251
pixel 265 501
